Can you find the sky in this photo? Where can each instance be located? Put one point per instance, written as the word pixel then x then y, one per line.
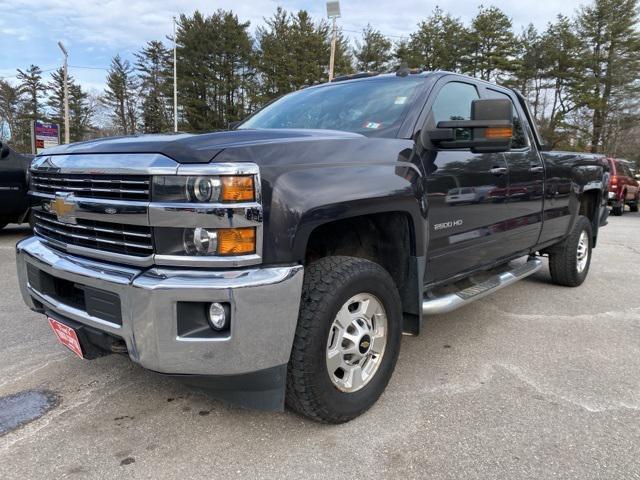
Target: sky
pixel 94 31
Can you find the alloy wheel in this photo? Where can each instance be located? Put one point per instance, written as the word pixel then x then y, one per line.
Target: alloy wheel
pixel 356 343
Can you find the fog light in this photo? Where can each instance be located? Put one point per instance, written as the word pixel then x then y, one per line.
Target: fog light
pixel 200 241
pixel 218 316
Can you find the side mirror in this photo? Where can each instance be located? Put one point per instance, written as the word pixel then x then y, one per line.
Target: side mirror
pixel 489 130
pixel 4 150
pixel 234 124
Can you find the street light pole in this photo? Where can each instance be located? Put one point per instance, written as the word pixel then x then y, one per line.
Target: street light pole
pixel 332 61
pixel 175 79
pixel 333 12
pixel 66 92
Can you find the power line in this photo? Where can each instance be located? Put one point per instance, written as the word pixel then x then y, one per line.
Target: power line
pixel 383 34
pixel 88 68
pixel 41 71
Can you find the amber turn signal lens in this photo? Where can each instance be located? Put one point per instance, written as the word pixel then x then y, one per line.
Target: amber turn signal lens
pixel 238 189
pixel 236 241
pixel 495 133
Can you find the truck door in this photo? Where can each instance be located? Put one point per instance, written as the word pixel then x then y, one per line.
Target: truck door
pixel 466 193
pixel 526 181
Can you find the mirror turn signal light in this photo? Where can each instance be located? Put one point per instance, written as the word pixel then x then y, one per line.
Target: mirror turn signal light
pixel 495 133
pixel 238 189
pixel 236 241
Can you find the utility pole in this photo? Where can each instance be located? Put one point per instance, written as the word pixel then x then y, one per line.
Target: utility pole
pixel 333 12
pixel 66 92
pixel 175 79
pixel 333 49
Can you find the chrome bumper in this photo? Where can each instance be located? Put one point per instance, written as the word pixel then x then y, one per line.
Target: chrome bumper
pixel 264 310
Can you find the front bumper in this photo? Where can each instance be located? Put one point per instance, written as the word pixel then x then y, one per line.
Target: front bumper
pixel 264 305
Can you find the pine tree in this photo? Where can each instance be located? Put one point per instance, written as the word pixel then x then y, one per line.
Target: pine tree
pixel 276 64
pixel 528 65
pixel 215 70
pixel 237 58
pixel 311 50
pixel 373 54
pixel 32 85
pixel 154 66
pixel 120 95
pixel 55 101
pixel 490 44
pixel 611 39
pixel 343 59
pixel 80 113
pixel 10 106
pixel 294 52
pixel 561 68
pixel 438 44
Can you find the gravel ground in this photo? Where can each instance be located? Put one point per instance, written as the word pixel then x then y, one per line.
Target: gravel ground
pixel 537 382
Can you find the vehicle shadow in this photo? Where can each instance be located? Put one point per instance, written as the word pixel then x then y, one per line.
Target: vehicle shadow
pixel 15 229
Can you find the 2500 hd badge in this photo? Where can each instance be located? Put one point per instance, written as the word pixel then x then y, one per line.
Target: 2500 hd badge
pixel 451 224
pixel 280 263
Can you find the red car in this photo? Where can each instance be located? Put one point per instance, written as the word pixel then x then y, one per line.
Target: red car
pixel 623 187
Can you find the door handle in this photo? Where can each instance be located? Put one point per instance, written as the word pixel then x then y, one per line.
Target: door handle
pixel 537 169
pixel 498 170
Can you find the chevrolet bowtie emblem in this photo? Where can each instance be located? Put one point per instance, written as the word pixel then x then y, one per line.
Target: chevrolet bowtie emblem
pixel 64 206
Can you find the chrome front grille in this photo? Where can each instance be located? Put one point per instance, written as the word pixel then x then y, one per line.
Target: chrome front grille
pixel 117 187
pixel 100 206
pixel 133 240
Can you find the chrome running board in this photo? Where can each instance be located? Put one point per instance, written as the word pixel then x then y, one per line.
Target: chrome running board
pixel 452 301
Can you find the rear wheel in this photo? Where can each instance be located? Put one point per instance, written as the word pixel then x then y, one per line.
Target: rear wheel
pixel 633 206
pixel 569 261
pixel 618 208
pixel 347 339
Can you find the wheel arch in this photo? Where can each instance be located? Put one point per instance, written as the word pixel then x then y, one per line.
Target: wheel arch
pixel 387 238
pixel 590 202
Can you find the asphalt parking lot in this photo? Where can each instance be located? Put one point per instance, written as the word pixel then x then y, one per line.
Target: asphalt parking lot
pixel 537 382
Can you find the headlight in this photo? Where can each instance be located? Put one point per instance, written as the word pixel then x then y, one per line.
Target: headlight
pixel 204 189
pixel 205 241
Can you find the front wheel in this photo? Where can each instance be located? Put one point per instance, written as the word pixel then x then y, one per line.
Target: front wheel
pixel 347 339
pixel 569 261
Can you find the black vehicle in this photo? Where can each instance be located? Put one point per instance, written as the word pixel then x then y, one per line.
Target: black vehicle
pixel 14 200
pixel 282 261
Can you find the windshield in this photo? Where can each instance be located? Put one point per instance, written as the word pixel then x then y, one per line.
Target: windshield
pixel 374 108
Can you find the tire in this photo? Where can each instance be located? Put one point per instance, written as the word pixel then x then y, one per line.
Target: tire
pixel 567 266
pixel 633 207
pixel 330 286
pixel 618 208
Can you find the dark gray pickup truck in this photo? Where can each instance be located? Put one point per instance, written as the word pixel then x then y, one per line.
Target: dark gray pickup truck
pixel 280 262
pixel 14 201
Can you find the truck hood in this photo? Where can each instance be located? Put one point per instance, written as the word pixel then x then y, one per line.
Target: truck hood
pixel 202 148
